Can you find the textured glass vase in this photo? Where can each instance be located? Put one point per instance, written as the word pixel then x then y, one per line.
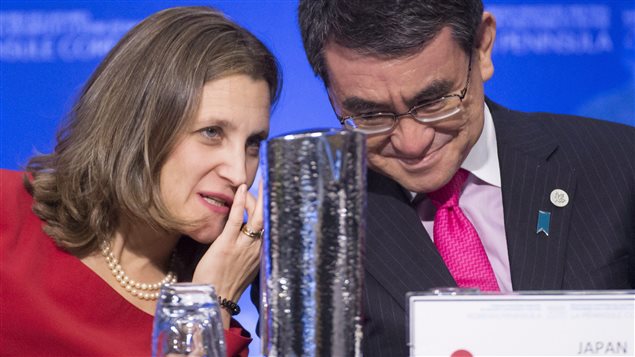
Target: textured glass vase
pixel 315 203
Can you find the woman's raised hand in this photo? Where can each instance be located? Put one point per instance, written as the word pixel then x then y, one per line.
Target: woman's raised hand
pixel 232 261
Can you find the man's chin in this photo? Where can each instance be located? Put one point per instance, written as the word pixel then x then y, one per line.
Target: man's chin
pixel 416 182
pixel 418 187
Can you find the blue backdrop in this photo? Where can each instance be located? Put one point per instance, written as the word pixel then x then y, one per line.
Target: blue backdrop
pixel 563 57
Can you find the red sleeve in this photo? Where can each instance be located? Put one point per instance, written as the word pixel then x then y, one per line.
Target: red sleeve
pixel 237 340
pixel 16 202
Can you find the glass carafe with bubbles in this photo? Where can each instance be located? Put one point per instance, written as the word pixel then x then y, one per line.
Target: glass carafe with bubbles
pixel 188 322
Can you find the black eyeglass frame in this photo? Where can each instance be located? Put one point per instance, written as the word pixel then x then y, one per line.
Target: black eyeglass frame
pixel 461 95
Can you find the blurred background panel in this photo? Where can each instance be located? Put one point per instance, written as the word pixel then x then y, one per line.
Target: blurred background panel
pixel 574 57
pixel 559 56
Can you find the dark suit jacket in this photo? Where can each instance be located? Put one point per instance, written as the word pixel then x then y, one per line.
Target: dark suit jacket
pixel 591 243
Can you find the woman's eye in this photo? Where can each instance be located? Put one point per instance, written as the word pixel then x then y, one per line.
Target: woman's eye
pixel 211 132
pixel 253 145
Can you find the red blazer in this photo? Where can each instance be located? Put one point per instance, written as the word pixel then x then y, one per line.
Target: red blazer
pixel 51 304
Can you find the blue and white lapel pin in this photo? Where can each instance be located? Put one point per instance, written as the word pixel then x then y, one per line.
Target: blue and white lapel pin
pixel 558 198
pixel 544 220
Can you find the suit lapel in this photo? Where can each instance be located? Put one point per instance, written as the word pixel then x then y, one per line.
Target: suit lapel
pixel 530 171
pixel 401 256
pixel 399 253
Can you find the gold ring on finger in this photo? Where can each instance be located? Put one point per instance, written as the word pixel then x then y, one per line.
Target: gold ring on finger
pixel 255 234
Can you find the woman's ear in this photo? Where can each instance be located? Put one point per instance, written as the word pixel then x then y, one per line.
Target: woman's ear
pixel 485 43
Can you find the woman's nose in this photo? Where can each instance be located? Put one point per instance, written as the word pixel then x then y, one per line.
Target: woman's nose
pixel 234 168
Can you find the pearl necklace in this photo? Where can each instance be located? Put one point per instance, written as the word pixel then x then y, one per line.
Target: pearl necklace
pixel 140 290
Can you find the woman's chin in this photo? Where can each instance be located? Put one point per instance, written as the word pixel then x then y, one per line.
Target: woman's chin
pixel 206 235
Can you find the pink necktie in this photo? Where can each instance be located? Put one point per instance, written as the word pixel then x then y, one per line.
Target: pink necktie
pixel 457 241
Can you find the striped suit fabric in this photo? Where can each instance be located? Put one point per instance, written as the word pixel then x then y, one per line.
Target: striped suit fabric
pixel 591 243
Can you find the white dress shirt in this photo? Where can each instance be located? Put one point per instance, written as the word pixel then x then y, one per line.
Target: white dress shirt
pixel 482 202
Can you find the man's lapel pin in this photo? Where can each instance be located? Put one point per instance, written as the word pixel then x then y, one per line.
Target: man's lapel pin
pixel 544 220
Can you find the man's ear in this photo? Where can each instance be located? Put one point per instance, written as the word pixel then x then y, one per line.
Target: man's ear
pixel 485 43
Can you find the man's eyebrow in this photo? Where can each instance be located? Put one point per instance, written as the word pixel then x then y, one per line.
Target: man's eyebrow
pixel 435 90
pixel 357 105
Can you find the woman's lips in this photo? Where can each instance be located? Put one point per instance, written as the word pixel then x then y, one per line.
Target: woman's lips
pixel 216 202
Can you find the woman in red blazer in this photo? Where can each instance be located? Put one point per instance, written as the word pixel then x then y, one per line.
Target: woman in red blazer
pixel 147 185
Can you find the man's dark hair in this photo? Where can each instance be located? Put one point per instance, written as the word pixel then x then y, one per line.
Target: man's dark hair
pixel 383 28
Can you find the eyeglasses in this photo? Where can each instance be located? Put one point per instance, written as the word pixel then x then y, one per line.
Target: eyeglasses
pixel 428 112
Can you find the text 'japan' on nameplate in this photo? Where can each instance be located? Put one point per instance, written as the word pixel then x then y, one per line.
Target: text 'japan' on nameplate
pixel 522 324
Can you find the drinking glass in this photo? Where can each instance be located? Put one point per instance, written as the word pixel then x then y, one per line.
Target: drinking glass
pixel 188 322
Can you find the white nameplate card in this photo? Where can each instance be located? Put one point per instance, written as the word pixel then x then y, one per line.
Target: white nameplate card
pixel 522 324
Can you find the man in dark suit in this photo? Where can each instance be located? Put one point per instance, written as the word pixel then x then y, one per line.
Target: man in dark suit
pixel 550 199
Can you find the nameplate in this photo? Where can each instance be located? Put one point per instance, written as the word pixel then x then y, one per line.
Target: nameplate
pixel 522 324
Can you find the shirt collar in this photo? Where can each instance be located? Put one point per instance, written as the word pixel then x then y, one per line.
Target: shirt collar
pixel 482 160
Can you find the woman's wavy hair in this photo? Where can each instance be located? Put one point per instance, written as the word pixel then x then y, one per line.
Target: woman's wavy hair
pixel 110 152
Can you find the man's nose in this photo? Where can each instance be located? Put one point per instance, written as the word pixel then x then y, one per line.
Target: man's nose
pixel 410 137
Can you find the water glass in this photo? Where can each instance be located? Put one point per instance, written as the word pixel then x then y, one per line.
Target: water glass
pixel 188 322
